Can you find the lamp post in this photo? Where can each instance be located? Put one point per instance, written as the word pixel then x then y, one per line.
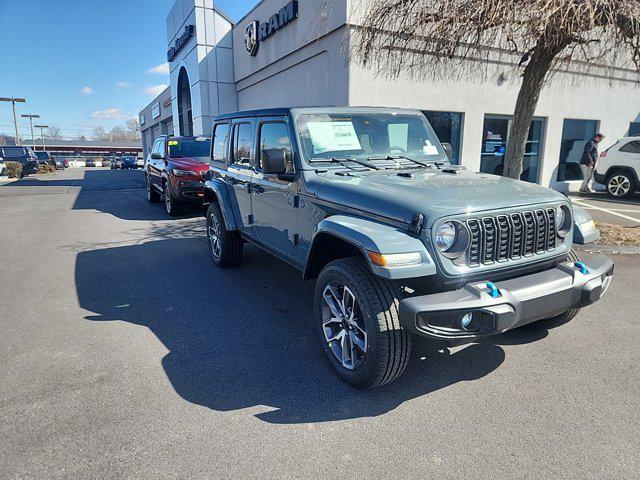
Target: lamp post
pixel 13 101
pixel 31 116
pixel 42 127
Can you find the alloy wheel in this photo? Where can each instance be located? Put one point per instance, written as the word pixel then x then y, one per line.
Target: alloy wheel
pixel 618 185
pixel 343 325
pixel 213 232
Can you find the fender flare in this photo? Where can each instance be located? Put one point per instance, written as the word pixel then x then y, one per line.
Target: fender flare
pixel 216 190
pixel 371 236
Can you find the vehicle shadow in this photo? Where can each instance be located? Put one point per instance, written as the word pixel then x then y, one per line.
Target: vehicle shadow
pixel 122 193
pixel 244 338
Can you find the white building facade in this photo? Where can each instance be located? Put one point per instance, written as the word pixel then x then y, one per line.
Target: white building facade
pixel 287 53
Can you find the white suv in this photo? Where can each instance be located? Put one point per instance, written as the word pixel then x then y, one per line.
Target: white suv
pixel 618 167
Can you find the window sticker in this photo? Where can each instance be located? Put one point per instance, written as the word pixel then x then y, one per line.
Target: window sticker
pixel 171 143
pixel 429 149
pixel 333 136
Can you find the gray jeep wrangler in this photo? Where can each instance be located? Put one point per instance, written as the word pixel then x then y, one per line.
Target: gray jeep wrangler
pixel 401 243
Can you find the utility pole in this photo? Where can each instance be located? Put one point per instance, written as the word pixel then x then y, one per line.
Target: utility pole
pixel 13 101
pixel 42 127
pixel 30 116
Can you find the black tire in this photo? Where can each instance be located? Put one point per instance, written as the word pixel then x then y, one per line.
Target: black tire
pixel 564 317
pixel 152 194
pixel 227 252
pixel 171 205
pixel 387 346
pixel 620 185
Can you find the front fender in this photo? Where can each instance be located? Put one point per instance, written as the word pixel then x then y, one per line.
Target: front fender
pixel 584 229
pixel 370 236
pixel 215 190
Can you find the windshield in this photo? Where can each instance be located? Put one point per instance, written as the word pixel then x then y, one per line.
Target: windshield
pixel 192 147
pixel 372 136
pixel 14 151
pixel 42 155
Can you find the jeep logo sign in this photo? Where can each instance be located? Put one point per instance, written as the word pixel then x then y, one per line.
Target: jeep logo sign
pixel 256 32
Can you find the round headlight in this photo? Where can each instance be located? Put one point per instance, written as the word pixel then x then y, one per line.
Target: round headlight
pixel 445 236
pixel 560 217
pixel 564 222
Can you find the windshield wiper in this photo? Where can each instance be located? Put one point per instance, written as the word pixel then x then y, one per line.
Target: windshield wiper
pixel 364 163
pixel 395 157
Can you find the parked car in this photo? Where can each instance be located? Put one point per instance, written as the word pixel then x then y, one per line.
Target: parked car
pixel 116 163
pixel 23 155
pixel 106 162
pixel 127 162
pixel 401 243
pixel 140 162
pixel 89 163
pixel 44 158
pixel 60 163
pixel 618 168
pixel 175 171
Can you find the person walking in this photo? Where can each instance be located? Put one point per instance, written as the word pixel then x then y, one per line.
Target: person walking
pixel 588 161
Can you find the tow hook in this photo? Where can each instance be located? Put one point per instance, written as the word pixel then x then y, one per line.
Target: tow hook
pixel 581 267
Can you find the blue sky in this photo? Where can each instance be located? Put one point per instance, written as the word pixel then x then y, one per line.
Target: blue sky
pixel 82 64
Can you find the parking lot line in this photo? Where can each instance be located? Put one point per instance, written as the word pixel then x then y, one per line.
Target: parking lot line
pixel 606 210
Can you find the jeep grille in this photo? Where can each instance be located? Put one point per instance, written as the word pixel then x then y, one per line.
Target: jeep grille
pixel 510 236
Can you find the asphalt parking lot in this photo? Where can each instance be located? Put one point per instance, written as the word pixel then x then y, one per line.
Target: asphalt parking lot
pixel 126 353
pixel 604 209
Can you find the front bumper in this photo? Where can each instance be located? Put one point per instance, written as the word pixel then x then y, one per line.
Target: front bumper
pixel 515 303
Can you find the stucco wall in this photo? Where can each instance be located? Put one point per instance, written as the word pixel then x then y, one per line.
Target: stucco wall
pixel 302 64
pixel 208 59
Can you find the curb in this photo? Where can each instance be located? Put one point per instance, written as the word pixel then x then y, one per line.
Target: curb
pixel 610 249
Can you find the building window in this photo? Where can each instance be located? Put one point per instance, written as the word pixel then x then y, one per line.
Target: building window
pixel 448 128
pixel 142 120
pixel 575 134
pixel 494 144
pixel 155 110
pixel 634 129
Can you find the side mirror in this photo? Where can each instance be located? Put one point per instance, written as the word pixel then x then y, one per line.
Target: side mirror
pixel 156 156
pixel 448 150
pixel 274 160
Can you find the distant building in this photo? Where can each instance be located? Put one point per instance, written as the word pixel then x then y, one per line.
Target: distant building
pixel 156 119
pixel 87 148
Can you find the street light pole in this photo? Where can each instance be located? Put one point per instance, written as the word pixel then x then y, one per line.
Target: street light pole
pixel 13 101
pixel 41 127
pixel 30 116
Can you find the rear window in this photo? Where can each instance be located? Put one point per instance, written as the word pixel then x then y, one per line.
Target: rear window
pixel 631 147
pixel 191 147
pixel 9 152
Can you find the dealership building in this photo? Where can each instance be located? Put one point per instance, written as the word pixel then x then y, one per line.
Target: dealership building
pixel 295 53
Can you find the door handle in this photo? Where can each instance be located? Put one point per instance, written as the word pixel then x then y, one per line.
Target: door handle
pixel 256 189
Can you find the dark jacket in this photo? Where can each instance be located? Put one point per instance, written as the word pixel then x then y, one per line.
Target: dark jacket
pixel 590 154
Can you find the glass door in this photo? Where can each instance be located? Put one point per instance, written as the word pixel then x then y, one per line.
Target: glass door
pixel 494 144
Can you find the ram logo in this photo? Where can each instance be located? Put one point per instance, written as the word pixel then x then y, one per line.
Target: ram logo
pixel 251 38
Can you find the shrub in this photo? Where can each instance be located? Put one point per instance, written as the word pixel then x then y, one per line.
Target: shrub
pixel 46 168
pixel 13 169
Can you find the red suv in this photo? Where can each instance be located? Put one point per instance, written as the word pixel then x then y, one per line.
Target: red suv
pixel 175 170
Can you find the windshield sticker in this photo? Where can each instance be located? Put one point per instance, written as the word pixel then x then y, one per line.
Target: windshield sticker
pixel 172 143
pixel 429 149
pixel 333 136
